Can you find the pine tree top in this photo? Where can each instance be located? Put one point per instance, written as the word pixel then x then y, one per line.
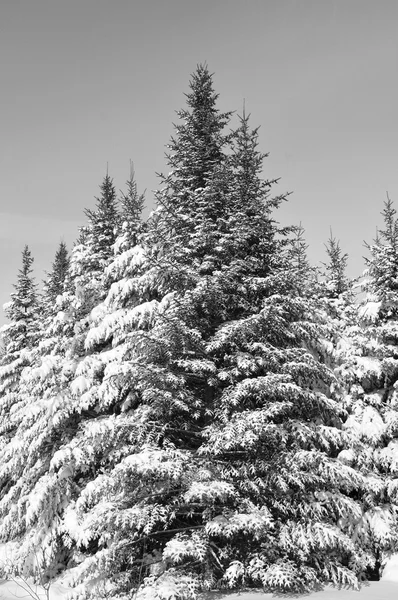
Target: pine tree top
pixel 337 281
pixel 101 231
pixel 25 288
pixel 132 203
pixel 382 265
pixel 22 310
pixel 106 205
pixel 54 285
pixel 197 147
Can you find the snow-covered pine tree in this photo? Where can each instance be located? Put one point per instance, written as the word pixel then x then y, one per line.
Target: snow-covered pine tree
pixel 54 285
pixel 50 336
pixel 20 333
pixel 139 384
pixel 130 233
pixel 275 430
pixel 94 250
pixel 22 309
pixel 299 249
pixel 335 292
pixel 370 373
pixel 102 224
pixel 223 464
pixel 196 181
pixel 19 337
pixel 382 267
pixel 336 281
pixel 304 271
pixel 57 282
pixel 85 283
pixel 132 205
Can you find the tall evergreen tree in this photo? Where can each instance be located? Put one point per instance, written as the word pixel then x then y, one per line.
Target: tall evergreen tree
pixel 230 471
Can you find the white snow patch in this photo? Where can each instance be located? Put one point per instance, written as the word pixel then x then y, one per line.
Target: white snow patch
pixel 20 588
pixel 80 385
pixel 390 572
pixel 369 363
pixel 370 311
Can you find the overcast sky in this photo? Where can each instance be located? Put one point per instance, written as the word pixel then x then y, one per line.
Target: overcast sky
pixel 86 82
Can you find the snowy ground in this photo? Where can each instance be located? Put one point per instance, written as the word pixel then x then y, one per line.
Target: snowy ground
pixel 12 590
pixel 377 590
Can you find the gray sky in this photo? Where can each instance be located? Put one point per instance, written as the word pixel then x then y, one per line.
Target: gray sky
pixel 86 82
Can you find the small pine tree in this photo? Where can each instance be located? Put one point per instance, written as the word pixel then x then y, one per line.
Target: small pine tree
pixel 132 203
pixel 131 225
pixel 336 280
pixel 94 251
pixel 336 294
pixel 382 267
pixel 55 283
pixel 306 274
pixel 102 226
pixel 22 310
pixel 299 251
pixel 19 337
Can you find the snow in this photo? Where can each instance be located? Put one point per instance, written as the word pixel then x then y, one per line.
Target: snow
pixel 18 588
pixel 80 385
pixel 375 590
pixel 390 571
pixel 368 363
pixel 370 311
